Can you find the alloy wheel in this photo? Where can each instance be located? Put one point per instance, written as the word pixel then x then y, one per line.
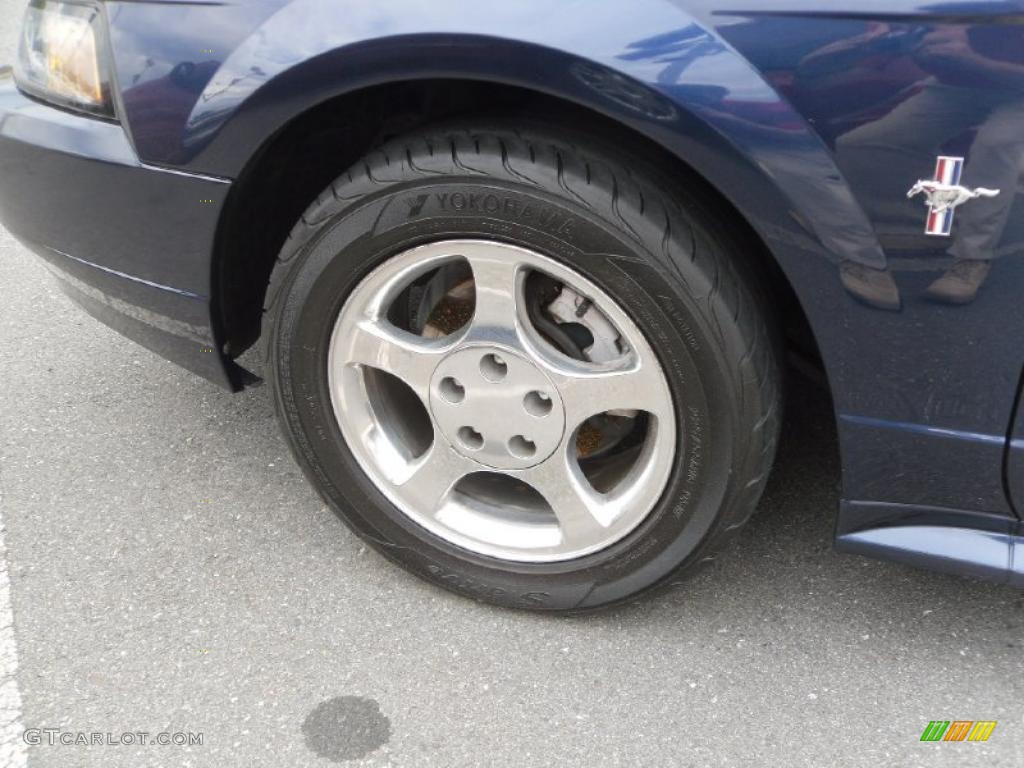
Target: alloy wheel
pixel 502 401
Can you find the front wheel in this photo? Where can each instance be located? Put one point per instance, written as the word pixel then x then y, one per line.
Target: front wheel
pixel 522 367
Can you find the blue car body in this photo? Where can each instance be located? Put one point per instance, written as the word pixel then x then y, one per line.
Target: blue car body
pixel 811 119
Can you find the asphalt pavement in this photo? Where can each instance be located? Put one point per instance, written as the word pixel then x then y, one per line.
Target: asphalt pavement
pixel 171 571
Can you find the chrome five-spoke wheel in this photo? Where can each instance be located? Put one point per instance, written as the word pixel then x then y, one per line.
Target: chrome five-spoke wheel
pixel 501 400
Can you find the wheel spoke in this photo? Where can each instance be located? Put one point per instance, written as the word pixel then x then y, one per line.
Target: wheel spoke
pixel 496 282
pixel 577 507
pixel 379 344
pixel 433 475
pixel 588 390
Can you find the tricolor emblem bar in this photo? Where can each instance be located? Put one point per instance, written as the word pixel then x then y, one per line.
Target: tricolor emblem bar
pixel 947 171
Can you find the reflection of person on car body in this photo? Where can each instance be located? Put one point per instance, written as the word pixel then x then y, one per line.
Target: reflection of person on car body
pixel 950 104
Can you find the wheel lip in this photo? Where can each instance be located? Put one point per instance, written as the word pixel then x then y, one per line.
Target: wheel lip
pixel 398 270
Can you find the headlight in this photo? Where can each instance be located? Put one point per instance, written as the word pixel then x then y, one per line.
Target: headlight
pixel 63 56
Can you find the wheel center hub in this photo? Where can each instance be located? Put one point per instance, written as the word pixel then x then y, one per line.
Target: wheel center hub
pixel 496 407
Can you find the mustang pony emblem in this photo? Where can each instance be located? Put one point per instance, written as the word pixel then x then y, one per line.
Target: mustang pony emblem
pixel 944 193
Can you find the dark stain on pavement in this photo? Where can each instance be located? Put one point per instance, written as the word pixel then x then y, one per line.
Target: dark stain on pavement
pixel 346 728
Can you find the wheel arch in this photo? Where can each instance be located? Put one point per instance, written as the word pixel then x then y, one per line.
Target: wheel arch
pixel 723 128
pixel 299 161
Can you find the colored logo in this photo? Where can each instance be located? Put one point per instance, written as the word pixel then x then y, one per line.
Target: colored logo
pixel 944 193
pixel 958 730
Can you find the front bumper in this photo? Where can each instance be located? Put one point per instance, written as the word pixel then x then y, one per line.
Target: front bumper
pixel 132 244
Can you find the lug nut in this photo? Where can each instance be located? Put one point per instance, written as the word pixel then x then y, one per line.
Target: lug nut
pixel 537 404
pixel 451 390
pixel 471 438
pixel 521 447
pixel 493 367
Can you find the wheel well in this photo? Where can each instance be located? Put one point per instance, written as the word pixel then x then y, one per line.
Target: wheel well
pixel 295 165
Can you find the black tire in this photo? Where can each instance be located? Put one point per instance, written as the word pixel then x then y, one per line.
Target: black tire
pixel 671 264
